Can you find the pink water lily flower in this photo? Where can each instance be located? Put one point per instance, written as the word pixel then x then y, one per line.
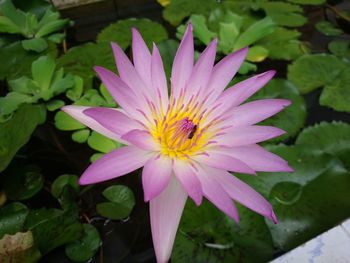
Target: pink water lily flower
pixel 188 142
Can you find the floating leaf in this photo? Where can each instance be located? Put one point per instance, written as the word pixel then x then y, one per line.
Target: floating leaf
pixel 293 117
pixel 177 10
pixel 11 138
pixel 328 29
pixel 122 202
pixel 85 247
pixel 62 181
pixel 81 136
pixel 12 217
pixel 53 105
pixel 101 143
pixel 23 182
pixel 65 122
pixel 340 48
pixel 314 71
pixel 18 248
pixel 120 32
pixel 52 228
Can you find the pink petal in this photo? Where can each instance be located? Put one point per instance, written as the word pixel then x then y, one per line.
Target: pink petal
pixel 188 179
pixel 165 213
pixel 255 111
pixel 141 57
pixel 77 112
pixel 120 92
pixel 183 63
pixel 224 71
pixel 244 194
pixel 224 162
pixel 240 92
pixel 216 194
pixel 238 136
pixel 159 81
pixel 141 139
pixel 258 158
pixel 156 176
pixel 202 70
pixel 129 74
pixel 114 164
pixel 112 119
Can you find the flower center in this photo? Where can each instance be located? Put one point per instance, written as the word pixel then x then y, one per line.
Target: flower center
pixel 179 130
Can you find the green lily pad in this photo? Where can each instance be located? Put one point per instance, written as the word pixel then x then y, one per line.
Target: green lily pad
pixel 177 10
pixel 12 217
pixel 65 122
pixel 120 32
pixel 85 247
pixel 293 117
pixel 52 228
pixel 340 48
pixel 282 44
pixel 121 203
pixel 23 182
pixel 19 248
pixel 328 29
pixel 11 138
pixel 314 71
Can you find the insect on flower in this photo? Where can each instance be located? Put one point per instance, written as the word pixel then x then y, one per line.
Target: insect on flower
pixel 188 141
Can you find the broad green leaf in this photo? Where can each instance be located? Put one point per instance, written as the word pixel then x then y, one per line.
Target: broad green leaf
pixel 101 143
pixel 52 228
pixel 121 203
pixel 200 29
pixel 63 181
pixel 282 44
pixel 18 248
pixel 22 182
pixel 283 14
pixel 293 117
pixel 207 235
pixel 7 26
pixel 54 105
pixel 314 71
pixel 340 48
pixel 42 72
pixel 307 2
pixel 35 44
pixel 84 248
pixel 255 32
pixel 12 217
pixel 336 94
pixel 81 136
pixel 65 122
pixel 177 10
pixel 328 29
pixel 12 138
pixel 11 102
pixel 80 60
pixel 120 32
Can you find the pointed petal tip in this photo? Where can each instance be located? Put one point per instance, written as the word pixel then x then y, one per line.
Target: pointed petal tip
pixel 273 217
pixel 84 181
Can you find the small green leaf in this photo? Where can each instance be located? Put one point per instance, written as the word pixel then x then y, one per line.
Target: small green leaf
pixel 35 44
pixel 23 182
pixel 53 105
pixel 76 91
pixel 247 67
pixel 42 72
pixel 328 29
pixel 200 29
pixel 81 136
pixel 85 247
pixel 65 122
pixel 101 143
pixel 122 202
pixel 340 48
pixel 12 101
pixel 12 217
pixel 257 54
pixel 62 181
